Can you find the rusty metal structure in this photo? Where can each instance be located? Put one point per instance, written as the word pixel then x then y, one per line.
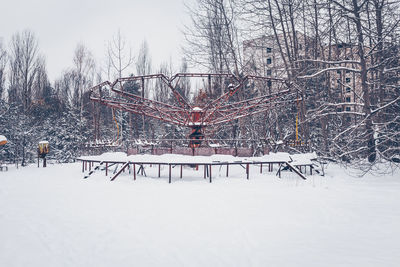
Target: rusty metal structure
pixel 197 117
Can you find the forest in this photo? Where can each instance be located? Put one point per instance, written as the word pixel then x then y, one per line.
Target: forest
pixel 342 57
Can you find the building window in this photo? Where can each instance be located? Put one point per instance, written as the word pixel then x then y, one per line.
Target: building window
pixel 269 50
pixel 347 71
pixel 348 89
pixel 348 119
pixel 269 61
pixel 348 80
pixel 348 108
pixel 338 72
pixel 348 99
pixel 269 72
pixel 339 109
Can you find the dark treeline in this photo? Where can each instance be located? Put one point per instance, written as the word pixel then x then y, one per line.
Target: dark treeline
pixel 33 109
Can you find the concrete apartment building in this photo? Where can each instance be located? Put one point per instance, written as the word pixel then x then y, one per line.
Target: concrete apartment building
pixel 345 83
pixel 263 57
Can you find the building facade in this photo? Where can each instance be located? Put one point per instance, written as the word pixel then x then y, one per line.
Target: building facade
pixel 265 57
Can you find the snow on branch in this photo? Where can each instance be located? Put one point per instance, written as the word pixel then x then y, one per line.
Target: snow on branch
pixel 373 112
pixel 330 62
pixel 351 129
pixel 327 69
pixel 385 106
pixel 344 103
pixel 334 113
pixel 391 69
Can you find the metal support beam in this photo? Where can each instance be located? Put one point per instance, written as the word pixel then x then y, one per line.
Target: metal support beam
pixel 169 177
pixel 210 173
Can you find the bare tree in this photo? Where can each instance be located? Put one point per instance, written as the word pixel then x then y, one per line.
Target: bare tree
pixel 119 55
pixel 184 83
pixel 212 39
pixel 3 63
pixel 342 56
pixel 143 62
pixel 364 29
pixel 24 65
pixel 63 87
pixel 41 81
pixel 162 92
pixel 83 71
pixel 119 60
pixel 143 67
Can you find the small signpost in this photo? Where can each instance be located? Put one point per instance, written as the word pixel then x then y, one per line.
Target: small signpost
pixel 43 150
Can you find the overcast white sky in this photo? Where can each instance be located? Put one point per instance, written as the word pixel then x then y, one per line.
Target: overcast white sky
pixel 61 25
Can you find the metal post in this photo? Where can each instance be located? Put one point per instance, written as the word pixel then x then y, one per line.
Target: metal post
pixel 227 170
pixel 143 97
pixel 181 171
pixel 106 168
pixel 134 171
pixel 279 171
pixel 159 170
pixel 169 165
pixel 247 170
pixel 205 171
pixel 83 166
pixel 209 83
pixel 261 168
pixel 119 172
pixel 210 173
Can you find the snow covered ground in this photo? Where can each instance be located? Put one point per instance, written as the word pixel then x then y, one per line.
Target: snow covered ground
pixel 52 217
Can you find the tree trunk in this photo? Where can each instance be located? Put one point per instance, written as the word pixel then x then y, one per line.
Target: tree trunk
pixel 364 85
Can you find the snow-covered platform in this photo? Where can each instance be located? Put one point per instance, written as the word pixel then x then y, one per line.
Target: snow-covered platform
pixel 297 163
